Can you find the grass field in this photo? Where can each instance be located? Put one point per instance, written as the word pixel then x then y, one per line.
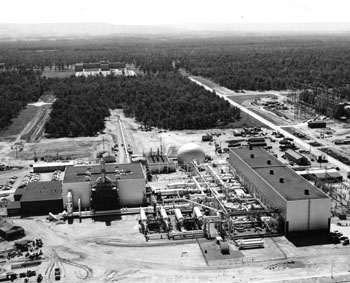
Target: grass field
pixel 19 123
pixel 246 121
pixel 57 74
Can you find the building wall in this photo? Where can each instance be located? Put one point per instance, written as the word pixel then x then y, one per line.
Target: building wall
pixel 131 192
pixel 298 215
pixel 42 207
pixel 49 168
pixel 156 168
pixel 320 213
pixel 80 190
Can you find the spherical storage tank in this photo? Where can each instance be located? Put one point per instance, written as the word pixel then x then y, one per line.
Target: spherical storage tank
pixel 189 152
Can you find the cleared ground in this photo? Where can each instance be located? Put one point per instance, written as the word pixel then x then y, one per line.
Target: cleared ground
pixel 93 252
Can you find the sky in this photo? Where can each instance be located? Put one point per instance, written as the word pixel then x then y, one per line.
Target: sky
pixel 165 12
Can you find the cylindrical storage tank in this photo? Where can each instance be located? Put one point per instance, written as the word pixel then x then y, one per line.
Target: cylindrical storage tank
pixel 70 204
pixel 143 216
pixel 163 213
pixel 178 215
pixel 190 152
pixel 197 213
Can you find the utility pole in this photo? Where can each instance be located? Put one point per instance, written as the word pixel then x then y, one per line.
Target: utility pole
pixel 332 269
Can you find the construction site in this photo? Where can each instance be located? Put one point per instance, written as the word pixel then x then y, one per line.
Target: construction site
pixel 240 204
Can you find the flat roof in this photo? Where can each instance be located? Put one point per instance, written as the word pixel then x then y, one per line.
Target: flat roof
pixel 293 186
pixel 52 164
pixel 295 154
pixel 74 174
pixel 327 175
pixel 42 191
pixel 256 157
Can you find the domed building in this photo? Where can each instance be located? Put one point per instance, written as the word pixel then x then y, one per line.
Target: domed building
pixel 190 152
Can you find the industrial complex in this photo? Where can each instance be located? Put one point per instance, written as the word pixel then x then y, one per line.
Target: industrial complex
pixel 230 197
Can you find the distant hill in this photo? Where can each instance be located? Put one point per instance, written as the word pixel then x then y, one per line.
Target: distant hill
pixel 12 31
pixel 79 29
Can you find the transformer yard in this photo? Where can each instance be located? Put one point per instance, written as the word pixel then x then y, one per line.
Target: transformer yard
pixel 228 205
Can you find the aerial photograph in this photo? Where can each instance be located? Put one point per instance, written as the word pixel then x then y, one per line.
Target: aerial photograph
pixel 175 141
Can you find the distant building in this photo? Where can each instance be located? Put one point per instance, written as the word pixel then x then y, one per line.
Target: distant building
pixel 317 124
pixel 207 138
pixel 45 167
pixel 104 69
pixel 256 142
pixel 296 157
pixel 158 164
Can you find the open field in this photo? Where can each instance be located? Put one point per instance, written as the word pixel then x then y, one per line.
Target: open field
pixel 56 73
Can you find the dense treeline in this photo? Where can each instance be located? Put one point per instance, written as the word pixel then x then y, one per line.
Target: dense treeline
pixel 273 63
pixel 17 88
pixel 150 55
pixel 167 101
pixel 237 62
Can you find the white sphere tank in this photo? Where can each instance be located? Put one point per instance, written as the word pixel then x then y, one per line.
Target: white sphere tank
pixel 189 152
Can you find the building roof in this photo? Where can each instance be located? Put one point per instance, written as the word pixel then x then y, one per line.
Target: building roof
pixel 74 174
pixel 7 226
pixel 14 205
pixel 328 175
pixel 257 157
pixel 293 186
pixel 19 191
pixel 42 191
pixel 294 154
pixel 52 164
pixel 158 159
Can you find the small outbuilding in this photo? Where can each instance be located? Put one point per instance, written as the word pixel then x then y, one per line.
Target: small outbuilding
pixel 317 124
pixel 9 231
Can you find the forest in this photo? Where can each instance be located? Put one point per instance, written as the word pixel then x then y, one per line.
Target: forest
pixel 234 61
pixel 17 88
pixel 167 101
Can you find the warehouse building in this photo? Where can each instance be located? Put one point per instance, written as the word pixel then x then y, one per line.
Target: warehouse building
pixel 296 157
pixel 128 178
pixel 256 142
pixel 303 206
pixel 45 167
pixel 317 124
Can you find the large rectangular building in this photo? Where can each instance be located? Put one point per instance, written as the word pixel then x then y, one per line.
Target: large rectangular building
pixel 42 198
pixel 303 206
pixel 128 178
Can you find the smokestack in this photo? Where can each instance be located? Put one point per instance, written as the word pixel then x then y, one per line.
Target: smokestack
pixel 281 180
pixel 271 172
pixel 103 171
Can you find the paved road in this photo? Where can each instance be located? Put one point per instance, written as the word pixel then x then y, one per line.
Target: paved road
pixel 302 144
